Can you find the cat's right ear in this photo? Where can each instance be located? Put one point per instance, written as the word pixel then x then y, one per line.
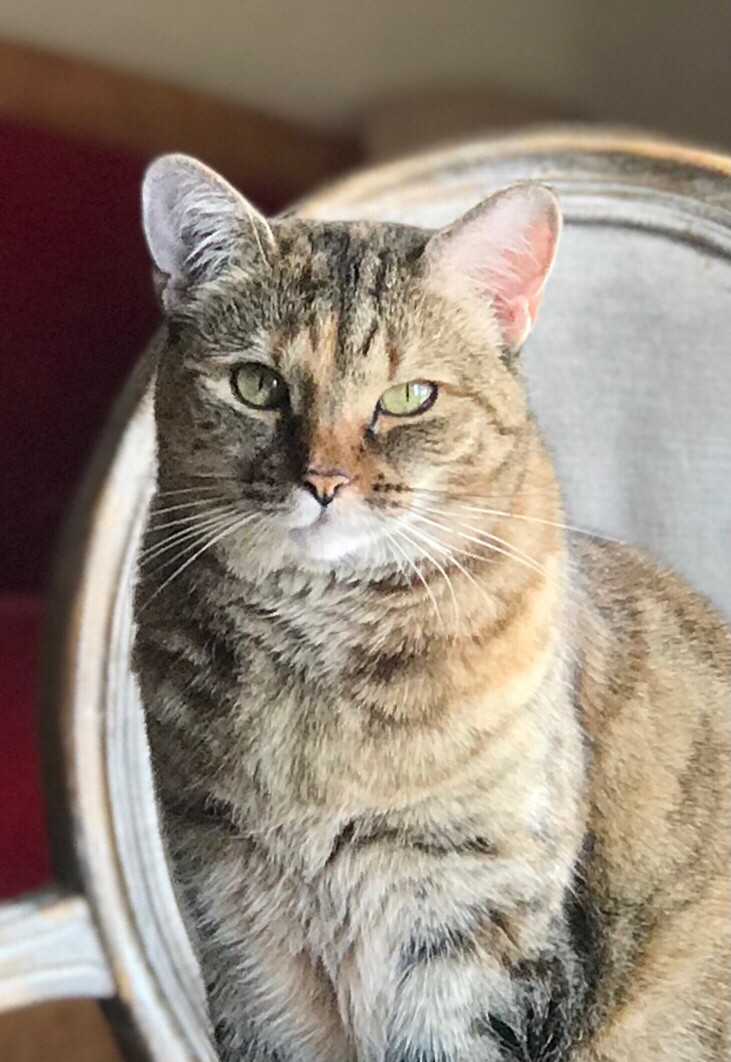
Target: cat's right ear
pixel 197 226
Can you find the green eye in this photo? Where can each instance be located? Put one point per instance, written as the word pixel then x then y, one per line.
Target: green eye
pixel 404 400
pixel 259 386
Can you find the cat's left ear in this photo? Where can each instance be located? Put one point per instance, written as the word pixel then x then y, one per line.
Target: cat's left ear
pixel 197 225
pixel 500 252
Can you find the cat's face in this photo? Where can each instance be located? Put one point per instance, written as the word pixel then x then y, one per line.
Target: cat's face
pixel 324 389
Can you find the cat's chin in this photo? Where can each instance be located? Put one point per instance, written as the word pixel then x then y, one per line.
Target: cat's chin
pixel 324 545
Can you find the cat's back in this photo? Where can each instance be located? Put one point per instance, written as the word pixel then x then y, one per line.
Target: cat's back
pixel 654 693
pixel 652 636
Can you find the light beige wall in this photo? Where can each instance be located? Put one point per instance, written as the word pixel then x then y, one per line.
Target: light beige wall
pixel 662 63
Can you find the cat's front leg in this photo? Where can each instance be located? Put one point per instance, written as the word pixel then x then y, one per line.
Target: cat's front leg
pixel 447 984
pixel 421 988
pixel 479 1011
pixel 270 1004
pixel 268 1000
pixel 461 989
pixel 236 1044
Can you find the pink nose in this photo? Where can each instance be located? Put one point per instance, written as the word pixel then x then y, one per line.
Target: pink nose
pixel 324 485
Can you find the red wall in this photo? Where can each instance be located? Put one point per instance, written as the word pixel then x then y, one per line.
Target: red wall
pixel 76 308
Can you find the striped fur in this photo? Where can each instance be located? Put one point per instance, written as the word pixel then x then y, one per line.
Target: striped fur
pixel 412 820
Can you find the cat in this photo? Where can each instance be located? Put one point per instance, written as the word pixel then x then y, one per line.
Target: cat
pixel 440 781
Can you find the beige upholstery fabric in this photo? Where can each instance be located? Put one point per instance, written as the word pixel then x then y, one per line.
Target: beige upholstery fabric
pixel 630 372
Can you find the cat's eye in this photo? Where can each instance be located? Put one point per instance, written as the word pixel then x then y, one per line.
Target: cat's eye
pixel 404 400
pixel 258 386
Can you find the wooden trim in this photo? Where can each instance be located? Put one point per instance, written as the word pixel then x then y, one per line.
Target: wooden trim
pixel 50 949
pixel 140 114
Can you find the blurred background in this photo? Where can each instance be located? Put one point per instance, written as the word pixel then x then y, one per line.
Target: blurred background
pixel 279 96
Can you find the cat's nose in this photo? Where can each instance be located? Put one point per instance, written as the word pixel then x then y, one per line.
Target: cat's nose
pixel 324 485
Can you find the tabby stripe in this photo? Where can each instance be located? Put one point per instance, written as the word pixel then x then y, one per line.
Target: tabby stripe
pixel 348 836
pixel 200 809
pixel 443 943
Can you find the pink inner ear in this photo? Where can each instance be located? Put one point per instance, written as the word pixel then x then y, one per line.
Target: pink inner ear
pixel 514 279
pixel 501 251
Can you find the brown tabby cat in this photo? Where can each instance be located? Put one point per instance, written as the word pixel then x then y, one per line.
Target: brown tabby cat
pixel 440 781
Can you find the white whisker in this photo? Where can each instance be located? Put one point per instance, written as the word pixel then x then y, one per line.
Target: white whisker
pixel 186 490
pixel 196 502
pixel 449 552
pixel 532 519
pixel 481 531
pixel 255 218
pixel 445 494
pixel 204 524
pixel 513 552
pixel 398 561
pixel 418 573
pixel 185 545
pixel 407 535
pixel 232 526
pixel 190 518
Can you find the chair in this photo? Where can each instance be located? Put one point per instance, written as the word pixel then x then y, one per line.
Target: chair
pixel 628 371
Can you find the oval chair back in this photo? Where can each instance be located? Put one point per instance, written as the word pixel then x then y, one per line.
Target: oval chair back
pixel 628 372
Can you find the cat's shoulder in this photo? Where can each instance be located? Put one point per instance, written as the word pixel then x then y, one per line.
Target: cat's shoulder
pixel 639 596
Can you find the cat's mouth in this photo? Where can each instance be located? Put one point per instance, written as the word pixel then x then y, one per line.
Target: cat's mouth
pixel 301 536
pixel 321 539
pixel 328 533
pixel 330 536
pixel 305 523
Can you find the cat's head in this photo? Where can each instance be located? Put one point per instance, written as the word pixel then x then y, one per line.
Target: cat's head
pixel 323 384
